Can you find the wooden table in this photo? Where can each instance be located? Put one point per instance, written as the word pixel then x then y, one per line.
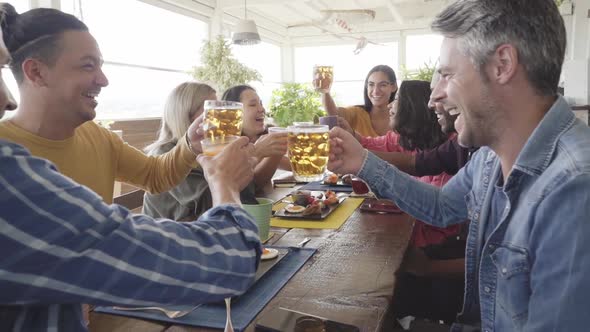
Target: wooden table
pixel 350 278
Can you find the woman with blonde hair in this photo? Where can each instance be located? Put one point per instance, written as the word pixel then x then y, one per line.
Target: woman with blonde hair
pixel 192 197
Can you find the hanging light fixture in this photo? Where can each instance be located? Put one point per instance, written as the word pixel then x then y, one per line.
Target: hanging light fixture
pixel 246 32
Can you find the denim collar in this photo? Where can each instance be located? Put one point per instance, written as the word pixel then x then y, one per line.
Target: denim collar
pixel 540 147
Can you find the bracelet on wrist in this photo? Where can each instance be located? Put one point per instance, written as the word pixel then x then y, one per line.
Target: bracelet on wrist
pixel 188 141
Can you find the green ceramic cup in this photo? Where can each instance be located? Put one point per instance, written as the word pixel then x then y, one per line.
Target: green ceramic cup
pixel 262 213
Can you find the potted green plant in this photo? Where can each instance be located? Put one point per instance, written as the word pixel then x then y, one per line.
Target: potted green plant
pixel 295 102
pixel 423 73
pixel 220 68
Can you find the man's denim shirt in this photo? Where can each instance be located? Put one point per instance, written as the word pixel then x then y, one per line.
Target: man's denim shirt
pixel 533 272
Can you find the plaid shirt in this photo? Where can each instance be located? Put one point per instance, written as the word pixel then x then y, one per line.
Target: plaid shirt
pixel 61 246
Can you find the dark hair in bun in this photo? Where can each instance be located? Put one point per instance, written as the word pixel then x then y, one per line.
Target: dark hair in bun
pixel 34 34
pixel 7 17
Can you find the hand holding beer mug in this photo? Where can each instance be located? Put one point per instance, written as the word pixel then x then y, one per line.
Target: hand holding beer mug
pixel 323 76
pixel 273 144
pixel 222 125
pixel 212 147
pixel 308 151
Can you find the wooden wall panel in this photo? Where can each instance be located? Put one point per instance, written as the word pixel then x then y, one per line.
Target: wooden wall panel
pixel 138 133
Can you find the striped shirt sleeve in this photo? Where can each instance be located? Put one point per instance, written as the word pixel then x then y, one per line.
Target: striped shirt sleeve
pixel 61 244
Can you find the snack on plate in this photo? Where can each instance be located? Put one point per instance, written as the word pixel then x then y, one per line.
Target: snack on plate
pixel 312 209
pixel 331 198
pixel 331 179
pixel 269 253
pixel 292 208
pixel 306 204
pixel 302 197
pixel 347 179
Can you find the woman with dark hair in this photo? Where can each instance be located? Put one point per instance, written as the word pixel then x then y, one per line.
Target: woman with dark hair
pixel 370 119
pixel 417 126
pixel 414 127
pixel 269 147
pixel 254 112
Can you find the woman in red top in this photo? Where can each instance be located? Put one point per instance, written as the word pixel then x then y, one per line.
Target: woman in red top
pixel 415 128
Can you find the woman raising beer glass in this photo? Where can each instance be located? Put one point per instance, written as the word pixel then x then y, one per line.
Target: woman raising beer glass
pixel 371 118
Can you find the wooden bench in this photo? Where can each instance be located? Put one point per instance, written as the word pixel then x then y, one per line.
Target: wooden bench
pixel 132 200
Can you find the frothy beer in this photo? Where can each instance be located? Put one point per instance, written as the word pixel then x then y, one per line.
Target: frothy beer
pixel 323 76
pixel 308 151
pixel 223 118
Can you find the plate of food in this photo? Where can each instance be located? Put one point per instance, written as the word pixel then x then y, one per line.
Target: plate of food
pixel 380 206
pixel 333 179
pixel 314 205
pixel 270 257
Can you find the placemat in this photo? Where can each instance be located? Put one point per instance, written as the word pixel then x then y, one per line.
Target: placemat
pixel 333 221
pixel 245 308
pixel 319 186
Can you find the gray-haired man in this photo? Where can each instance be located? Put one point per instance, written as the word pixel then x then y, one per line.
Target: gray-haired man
pixel 526 191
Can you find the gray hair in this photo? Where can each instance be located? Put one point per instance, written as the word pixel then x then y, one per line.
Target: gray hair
pixel 534 27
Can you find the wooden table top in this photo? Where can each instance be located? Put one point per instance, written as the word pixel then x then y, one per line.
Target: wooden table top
pixel 349 279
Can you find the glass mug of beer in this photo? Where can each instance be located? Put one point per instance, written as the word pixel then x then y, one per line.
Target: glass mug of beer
pixel 323 76
pixel 222 118
pixel 308 151
pixel 212 147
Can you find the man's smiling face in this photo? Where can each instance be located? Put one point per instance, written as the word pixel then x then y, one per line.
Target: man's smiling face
pixel 463 93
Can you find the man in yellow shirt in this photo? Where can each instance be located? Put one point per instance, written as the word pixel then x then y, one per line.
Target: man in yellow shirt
pixel 57 65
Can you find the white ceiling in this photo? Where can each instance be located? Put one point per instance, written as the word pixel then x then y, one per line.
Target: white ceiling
pixel 303 22
pixel 302 19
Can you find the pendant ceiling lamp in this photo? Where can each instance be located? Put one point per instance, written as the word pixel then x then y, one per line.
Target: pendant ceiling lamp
pixel 246 32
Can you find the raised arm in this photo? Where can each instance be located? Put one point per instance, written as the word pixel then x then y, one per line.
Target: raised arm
pixel 158 174
pixel 386 143
pixel 448 158
pixel 155 174
pixel 62 244
pixel 329 104
pixel 405 162
pixel 270 150
pixel 437 206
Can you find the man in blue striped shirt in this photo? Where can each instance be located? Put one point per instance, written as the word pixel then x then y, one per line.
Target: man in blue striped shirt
pixel 62 246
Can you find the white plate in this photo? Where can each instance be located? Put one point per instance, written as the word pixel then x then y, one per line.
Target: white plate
pixel 272 253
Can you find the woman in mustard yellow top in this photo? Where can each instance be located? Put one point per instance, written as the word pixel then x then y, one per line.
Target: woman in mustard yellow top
pixel 372 118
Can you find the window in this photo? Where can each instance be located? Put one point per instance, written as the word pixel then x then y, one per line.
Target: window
pixel 147 53
pixel 266 58
pixel 421 49
pixel 136 92
pixel 20 6
pixel 350 70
